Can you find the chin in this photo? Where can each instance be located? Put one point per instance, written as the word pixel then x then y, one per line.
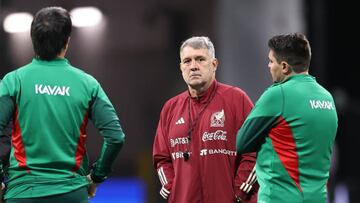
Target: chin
pixel 196 85
pixel 195 82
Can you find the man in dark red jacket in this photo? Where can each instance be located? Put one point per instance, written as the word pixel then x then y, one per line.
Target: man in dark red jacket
pixel 194 150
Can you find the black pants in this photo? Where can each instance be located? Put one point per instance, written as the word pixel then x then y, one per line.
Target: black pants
pixel 77 196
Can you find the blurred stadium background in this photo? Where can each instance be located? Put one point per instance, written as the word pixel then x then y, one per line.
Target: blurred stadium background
pixel 131 47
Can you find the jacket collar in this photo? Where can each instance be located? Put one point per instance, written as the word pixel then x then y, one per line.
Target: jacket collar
pixel 207 94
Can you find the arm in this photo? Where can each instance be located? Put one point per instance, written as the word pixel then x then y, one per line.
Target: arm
pixel 245 177
pixel 260 121
pixel 162 158
pixel 252 134
pixel 6 112
pixel 7 108
pixel 5 145
pixel 246 185
pixel 255 129
pixel 104 117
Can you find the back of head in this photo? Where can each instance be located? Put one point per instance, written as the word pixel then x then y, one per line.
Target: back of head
pixel 50 31
pixel 199 43
pixel 292 48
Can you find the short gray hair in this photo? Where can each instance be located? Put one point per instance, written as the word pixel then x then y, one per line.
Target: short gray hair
pixel 199 42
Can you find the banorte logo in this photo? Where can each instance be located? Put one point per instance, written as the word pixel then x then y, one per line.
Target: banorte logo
pixel 217 135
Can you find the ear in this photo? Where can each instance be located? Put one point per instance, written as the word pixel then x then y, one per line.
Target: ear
pixel 215 64
pixel 67 44
pixel 286 68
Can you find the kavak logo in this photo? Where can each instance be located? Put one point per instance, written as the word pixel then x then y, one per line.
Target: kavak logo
pixel 218 119
pixel 322 104
pixel 52 90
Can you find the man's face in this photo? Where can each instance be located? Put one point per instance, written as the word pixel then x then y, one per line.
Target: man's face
pixel 276 69
pixel 197 67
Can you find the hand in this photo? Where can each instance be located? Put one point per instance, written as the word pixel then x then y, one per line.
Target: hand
pixel 92 190
pixel 238 200
pixel 2 186
pixel 164 192
pixel 92 187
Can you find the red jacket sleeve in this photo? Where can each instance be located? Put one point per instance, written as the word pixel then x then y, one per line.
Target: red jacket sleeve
pixel 161 154
pixel 246 186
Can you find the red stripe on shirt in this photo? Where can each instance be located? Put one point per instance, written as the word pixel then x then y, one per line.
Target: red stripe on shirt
pixel 19 149
pixel 80 149
pixel 284 145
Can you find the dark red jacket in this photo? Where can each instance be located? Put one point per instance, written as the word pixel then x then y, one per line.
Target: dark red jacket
pixel 211 174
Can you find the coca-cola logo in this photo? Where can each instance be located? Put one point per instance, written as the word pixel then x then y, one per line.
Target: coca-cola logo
pixel 217 135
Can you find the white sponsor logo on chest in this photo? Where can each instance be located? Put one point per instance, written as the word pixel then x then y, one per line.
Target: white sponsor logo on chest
pixel 52 90
pixel 178 155
pixel 213 136
pixel 178 140
pixel 205 152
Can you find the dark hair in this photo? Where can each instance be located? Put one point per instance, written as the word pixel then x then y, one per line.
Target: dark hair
pixel 292 48
pixel 50 31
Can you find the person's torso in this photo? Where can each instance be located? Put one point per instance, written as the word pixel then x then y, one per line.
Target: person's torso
pixel 52 100
pixel 208 174
pixel 295 160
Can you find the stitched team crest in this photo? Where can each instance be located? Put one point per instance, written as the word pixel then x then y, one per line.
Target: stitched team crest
pixel 218 119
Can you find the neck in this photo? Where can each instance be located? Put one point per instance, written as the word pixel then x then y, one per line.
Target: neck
pixel 293 73
pixel 197 92
pixel 63 51
pixel 61 55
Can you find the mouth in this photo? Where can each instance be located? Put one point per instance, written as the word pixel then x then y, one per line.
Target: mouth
pixel 194 76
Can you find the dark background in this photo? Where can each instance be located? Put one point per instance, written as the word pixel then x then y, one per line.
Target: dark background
pixel 134 55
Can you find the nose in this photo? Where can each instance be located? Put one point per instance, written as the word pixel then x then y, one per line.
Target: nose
pixel 194 66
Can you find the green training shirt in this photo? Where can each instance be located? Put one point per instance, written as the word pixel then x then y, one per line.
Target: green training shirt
pixel 50 103
pixel 292 127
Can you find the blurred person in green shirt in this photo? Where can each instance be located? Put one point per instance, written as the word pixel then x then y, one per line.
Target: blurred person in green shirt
pixel 50 102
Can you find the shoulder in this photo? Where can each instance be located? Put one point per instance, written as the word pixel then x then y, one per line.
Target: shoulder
pixel 81 72
pixel 229 91
pixel 324 90
pixel 83 75
pixel 272 95
pixel 170 103
pixel 17 71
pixel 11 76
pixel 8 76
pixel 11 81
pixel 173 104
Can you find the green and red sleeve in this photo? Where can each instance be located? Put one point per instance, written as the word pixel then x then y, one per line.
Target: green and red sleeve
pixel 261 119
